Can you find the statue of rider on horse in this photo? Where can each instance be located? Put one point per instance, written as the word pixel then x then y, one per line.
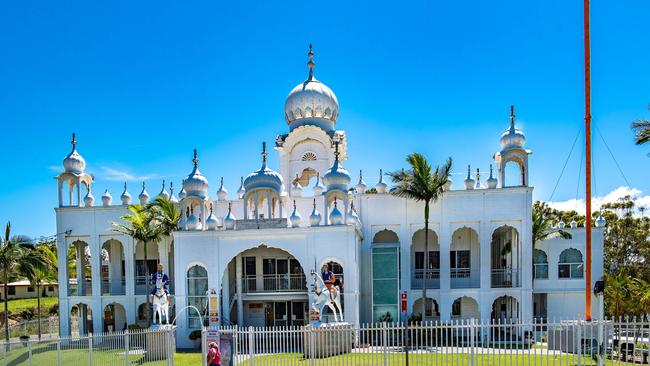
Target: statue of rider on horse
pixel 327 289
pixel 160 295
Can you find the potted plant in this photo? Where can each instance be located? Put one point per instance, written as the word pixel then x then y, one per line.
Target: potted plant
pixel 195 337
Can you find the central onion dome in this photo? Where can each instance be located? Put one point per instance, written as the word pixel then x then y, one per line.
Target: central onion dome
pixel 336 177
pixel 311 102
pixel 264 177
pixel 196 184
pixel 512 137
pixel 74 162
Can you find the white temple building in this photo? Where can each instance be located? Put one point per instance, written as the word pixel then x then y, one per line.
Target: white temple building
pixel 257 247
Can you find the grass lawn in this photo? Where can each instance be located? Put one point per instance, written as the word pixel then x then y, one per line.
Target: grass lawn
pixel 16 306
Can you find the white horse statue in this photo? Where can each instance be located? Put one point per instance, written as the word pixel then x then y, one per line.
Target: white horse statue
pixel 160 304
pixel 325 298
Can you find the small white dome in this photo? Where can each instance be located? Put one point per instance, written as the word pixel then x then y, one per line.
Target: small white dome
pixel 163 191
pixel 512 137
pixel 491 182
pixel 196 185
pixel 353 218
pixel 192 222
pixel 381 186
pixel 212 222
pixel 222 193
pixel 89 199
pixel 336 218
pixel 561 224
pixel 241 190
pixel 311 103
pixel 318 187
pixel 469 182
pixel 144 195
pixel 295 217
pixel 336 177
pixel 314 218
pixel 574 224
pixel 182 194
pixel 172 197
pixel 264 177
pixel 126 196
pixel 74 162
pixel 106 198
pixel 229 221
pixel 600 221
pixel 296 189
pixel 361 186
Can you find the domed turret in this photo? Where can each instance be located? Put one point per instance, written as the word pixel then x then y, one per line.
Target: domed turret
pixel 491 181
pixel 296 189
pixel 222 193
pixel 318 187
pixel 172 197
pixel 561 224
pixel 212 223
pixel 74 162
pixel 336 177
pixel 229 220
pixel 478 179
pixel 89 199
pixel 574 224
pixel 295 217
pixel 264 177
pixel 512 137
pixel 381 186
pixel 469 182
pixel 182 194
pixel 336 218
pixel 193 222
pixel 144 195
pixel 196 185
pixel 353 218
pixel 126 196
pixel 163 191
pixel 311 103
pixel 241 190
pixel 600 221
pixel 361 186
pixel 314 218
pixel 106 198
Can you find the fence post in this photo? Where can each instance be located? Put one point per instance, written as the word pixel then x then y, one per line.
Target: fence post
pixel 90 347
pixel 384 342
pixel 312 345
pixel 58 351
pixel 251 345
pixel 472 341
pixel 170 353
pixel 126 347
pixel 29 345
pixel 204 350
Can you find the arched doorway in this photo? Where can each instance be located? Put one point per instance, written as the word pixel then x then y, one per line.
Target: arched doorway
pixel 465 307
pixel 505 257
pixel 151 262
pixel 505 309
pixel 113 270
pixel 428 274
pixel 114 318
pixel 81 320
pixel 431 311
pixel 79 271
pixel 465 259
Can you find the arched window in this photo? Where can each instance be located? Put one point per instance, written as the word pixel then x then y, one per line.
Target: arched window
pixel 570 265
pixel 385 236
pixel 197 287
pixel 540 261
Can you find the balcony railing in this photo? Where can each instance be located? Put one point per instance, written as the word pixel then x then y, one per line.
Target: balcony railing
pixel 85 289
pixel 505 277
pixel 114 286
pixel 462 278
pixel 141 285
pixel 432 280
pixel 274 283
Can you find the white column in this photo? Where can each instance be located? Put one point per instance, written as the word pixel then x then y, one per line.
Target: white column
pixel 240 304
pixel 115 255
pixel 444 240
pixel 129 268
pixel 96 266
pixel 79 248
pixel 225 296
pixel 97 315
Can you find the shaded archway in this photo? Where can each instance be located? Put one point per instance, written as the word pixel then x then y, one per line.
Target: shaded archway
pixel 141 315
pixel 431 311
pixel 505 309
pixel 152 260
pixel 505 256
pixel 81 320
pixel 422 274
pixel 570 264
pixel 79 269
pixel 465 259
pixel 540 265
pixel 114 318
pixel 465 307
pixel 113 269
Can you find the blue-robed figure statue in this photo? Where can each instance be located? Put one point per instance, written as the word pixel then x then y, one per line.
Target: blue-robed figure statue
pixel 159 279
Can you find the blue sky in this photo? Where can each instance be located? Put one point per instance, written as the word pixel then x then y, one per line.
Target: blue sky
pixel 143 83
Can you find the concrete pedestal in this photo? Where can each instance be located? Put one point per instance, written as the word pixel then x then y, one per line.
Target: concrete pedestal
pixel 327 340
pixel 160 342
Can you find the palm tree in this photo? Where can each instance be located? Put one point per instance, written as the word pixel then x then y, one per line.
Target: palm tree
pixel 642 132
pixel 140 225
pixel 419 183
pixel 46 273
pixel 165 214
pixel 17 260
pixel 543 228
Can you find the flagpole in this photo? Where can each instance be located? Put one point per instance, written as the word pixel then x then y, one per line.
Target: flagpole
pixel 588 162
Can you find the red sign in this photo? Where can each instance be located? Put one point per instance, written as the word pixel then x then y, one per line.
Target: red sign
pixel 403 300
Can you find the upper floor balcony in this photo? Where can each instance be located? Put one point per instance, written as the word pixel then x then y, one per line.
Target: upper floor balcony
pixel 274 283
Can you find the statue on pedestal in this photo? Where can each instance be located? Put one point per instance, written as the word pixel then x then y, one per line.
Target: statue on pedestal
pixel 327 292
pixel 160 295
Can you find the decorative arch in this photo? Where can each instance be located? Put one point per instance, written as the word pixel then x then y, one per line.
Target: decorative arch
pixel 540 264
pixel 465 258
pixel 505 308
pixel 114 317
pixel 505 257
pixel 518 156
pixel 385 236
pixel 81 283
pixel 570 264
pixel 431 311
pixel 196 278
pixel 425 274
pixel 465 307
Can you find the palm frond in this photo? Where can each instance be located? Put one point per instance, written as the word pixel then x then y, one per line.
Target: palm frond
pixel 642 132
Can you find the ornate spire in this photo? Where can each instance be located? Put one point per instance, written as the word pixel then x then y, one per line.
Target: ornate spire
pixel 210 208
pixel 196 159
pixel 125 186
pixel 334 202
pixel 229 207
pixel 74 142
pixel 468 172
pixel 163 185
pixel 314 203
pixel 171 187
pixel 310 63
pixel 294 205
pixel 512 117
pixel 264 152
pixel 336 150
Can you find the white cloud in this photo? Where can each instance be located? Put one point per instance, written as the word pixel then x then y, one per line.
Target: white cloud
pixel 596 202
pixel 112 174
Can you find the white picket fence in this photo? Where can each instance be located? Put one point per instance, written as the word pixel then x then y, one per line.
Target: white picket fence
pixel 138 347
pixel 460 342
